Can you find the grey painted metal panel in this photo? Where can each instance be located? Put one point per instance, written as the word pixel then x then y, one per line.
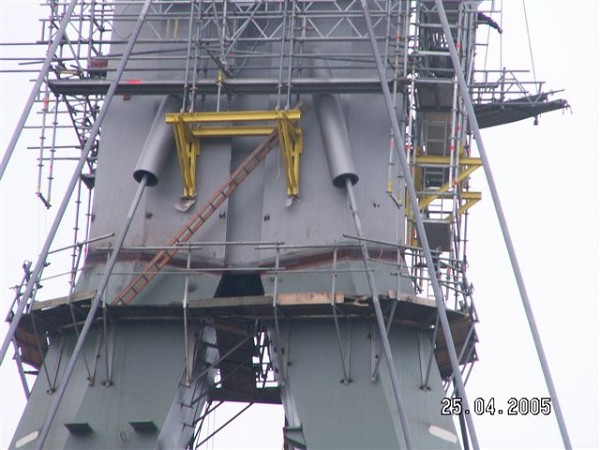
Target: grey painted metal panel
pixel 244 219
pixel 124 134
pixel 350 279
pixel 320 215
pixel 164 289
pixel 146 386
pixel 361 414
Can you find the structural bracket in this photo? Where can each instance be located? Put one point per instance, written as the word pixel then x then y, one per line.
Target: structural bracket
pixel 188 149
pixel 190 128
pixel 466 167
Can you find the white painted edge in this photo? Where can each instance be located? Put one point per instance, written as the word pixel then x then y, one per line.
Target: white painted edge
pixel 27 439
pixel 443 434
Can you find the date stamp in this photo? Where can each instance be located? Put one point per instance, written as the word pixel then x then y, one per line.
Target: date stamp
pixel 453 406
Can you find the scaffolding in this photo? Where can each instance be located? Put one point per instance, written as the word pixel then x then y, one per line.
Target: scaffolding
pixel 201 48
pixel 207 52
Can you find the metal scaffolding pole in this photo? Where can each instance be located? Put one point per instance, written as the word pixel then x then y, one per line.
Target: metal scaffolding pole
pixel 58 39
pixel 41 262
pixel 419 222
pixel 387 349
pixel 464 90
pixel 91 315
pixel 20 367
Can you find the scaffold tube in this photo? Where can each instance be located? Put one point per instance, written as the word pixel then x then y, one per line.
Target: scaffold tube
pixel 159 143
pixel 334 132
pixel 387 349
pixel 503 223
pixel 419 222
pixel 58 40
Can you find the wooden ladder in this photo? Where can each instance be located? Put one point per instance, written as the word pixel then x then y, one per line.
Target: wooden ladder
pixel 162 258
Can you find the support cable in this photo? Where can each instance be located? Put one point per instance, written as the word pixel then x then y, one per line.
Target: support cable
pixel 464 90
pixel 211 435
pixel 387 350
pixel 419 219
pixel 41 261
pixel 58 39
pixel 188 59
pixel 529 43
pixel 91 315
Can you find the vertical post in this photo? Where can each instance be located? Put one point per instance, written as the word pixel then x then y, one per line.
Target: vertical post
pixel 464 90
pixel 20 367
pixel 387 350
pixel 278 344
pixel 58 38
pixel 346 373
pixel 419 222
pixel 186 288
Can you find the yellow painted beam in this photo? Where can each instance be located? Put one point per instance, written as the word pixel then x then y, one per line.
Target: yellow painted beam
pixel 445 187
pixel 471 195
pixel 435 160
pixel 231 131
pixel 188 150
pixel 232 116
pixel 472 198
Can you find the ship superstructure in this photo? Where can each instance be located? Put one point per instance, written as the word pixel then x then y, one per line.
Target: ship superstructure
pixel 278 196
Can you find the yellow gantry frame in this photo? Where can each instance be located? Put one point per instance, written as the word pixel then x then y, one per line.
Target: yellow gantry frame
pixel 190 128
pixel 466 166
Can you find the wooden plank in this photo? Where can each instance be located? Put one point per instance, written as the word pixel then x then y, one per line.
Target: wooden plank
pixel 411 298
pixel 287 299
pixel 51 303
pixel 309 298
pixel 229 302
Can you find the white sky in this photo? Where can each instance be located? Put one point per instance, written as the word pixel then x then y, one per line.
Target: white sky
pixel 547 177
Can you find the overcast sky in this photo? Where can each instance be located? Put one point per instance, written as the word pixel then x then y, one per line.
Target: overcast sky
pixel 547 176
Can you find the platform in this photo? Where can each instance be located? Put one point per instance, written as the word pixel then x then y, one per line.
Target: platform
pixel 234 315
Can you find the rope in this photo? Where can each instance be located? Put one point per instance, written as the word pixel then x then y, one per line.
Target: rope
pixel 529 42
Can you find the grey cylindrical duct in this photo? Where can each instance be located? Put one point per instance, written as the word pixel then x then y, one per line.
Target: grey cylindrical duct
pixel 336 139
pixel 159 143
